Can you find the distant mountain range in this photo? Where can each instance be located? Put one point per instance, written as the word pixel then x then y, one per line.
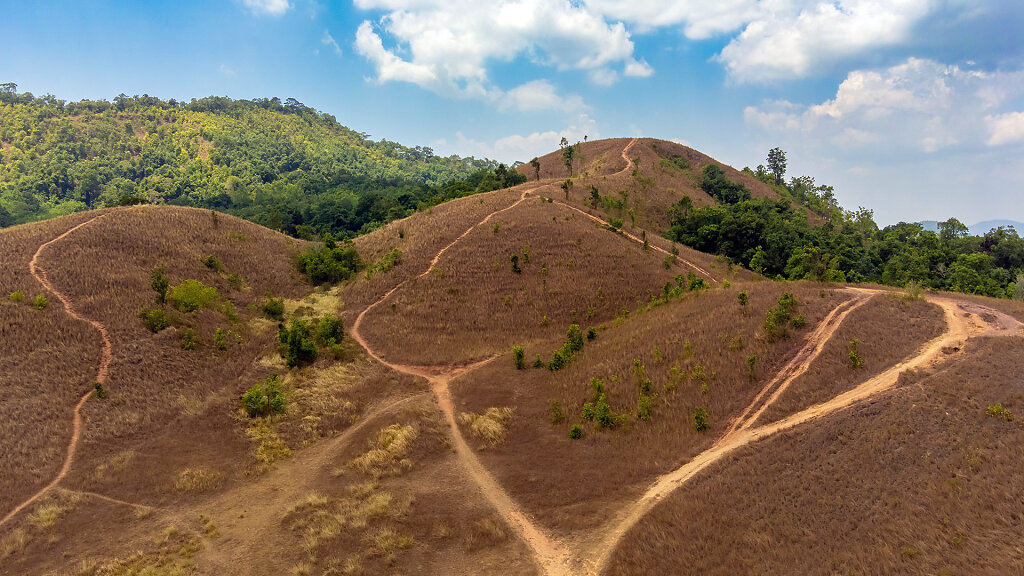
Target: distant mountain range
pixel 978 229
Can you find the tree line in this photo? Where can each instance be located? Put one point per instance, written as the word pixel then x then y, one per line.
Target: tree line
pixel 805 234
pixel 281 164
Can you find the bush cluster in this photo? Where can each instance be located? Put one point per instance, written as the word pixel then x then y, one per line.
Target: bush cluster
pixel 302 339
pixel 779 318
pixel 191 295
pixel 330 263
pixel 573 344
pixel 274 308
pixel 265 398
pixel 155 319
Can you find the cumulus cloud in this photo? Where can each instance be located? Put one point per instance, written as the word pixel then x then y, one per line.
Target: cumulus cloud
pixel 796 40
pixel 270 7
pixel 918 105
pixel 328 40
pixel 538 95
pixel 1005 128
pixel 521 147
pixel 448 45
pixel 699 19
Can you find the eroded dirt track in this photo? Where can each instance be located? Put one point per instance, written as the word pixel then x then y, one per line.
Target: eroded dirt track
pixel 101 373
pixel 962 321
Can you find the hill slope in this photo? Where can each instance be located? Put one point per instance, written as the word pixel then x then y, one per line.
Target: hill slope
pixel 421 443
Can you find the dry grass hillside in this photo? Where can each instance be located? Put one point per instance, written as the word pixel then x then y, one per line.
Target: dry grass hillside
pixel 701 420
pixel 922 481
pixel 694 353
pixel 662 174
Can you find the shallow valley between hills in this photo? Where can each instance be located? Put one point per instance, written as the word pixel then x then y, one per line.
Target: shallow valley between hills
pixel 525 381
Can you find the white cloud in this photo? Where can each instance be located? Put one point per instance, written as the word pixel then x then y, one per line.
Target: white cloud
pixel 1005 128
pixel 447 45
pixel 227 71
pixel 328 40
pixel 538 95
pixel 919 106
pixel 271 7
pixel 792 39
pixel 519 147
pixel 700 19
pixel 639 68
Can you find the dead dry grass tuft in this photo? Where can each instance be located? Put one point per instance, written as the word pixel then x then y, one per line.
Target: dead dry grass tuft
pixel 489 426
pixel 197 480
pixel 387 452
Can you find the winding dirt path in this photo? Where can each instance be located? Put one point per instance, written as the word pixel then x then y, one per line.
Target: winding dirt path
pixel 962 321
pixel 553 557
pixel 101 373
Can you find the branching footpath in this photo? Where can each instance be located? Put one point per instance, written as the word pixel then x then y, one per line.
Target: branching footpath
pixel 592 556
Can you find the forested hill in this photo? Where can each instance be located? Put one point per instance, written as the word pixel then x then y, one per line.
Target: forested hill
pixel 281 164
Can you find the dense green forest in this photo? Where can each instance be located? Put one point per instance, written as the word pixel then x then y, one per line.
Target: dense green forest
pixel 281 164
pixel 775 237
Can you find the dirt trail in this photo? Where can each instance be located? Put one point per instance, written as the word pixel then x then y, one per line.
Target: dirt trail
pixel 554 557
pixel 799 364
pixel 962 321
pixel 101 373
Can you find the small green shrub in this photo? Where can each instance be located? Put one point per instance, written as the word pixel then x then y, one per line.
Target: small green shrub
pixel 188 339
pixel 643 409
pixel 591 333
pixel 265 398
pixel 616 223
pixel 220 339
pixel 41 302
pixel 515 264
pixel 518 357
pixel 743 299
pixel 229 312
pixel 329 331
pixel 997 411
pixel 101 392
pixel 300 346
pixel 538 363
pixel 386 263
pixel 798 322
pixel 155 319
pixel 576 432
pixel 211 262
pixel 700 420
pixel 855 359
pixel 695 283
pixel 274 308
pixel 587 413
pixel 17 296
pixel 191 295
pixel 235 281
pixel 159 282
pixel 555 409
pixel 751 361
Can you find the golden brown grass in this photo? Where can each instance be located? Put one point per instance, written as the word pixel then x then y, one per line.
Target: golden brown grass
pixel 920 481
pixel 688 352
pixel 888 329
pixel 387 454
pixel 48 358
pixel 490 426
pixel 474 304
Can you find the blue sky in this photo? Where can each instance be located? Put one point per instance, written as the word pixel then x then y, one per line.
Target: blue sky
pixel 914 108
